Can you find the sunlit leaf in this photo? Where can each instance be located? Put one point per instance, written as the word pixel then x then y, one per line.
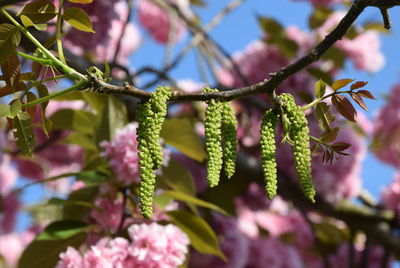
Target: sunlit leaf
pixel 358 84
pixel 39 12
pixel 78 19
pixel 320 88
pixel 338 84
pixel 359 101
pixel 366 94
pixel 81 1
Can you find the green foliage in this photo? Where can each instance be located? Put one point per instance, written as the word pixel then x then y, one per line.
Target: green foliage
pixel 299 135
pixel 201 236
pixel 229 139
pixel 179 132
pixel 9 40
pixel 150 115
pixel 37 13
pixel 268 152
pixel 78 19
pixel 212 125
pixel 23 133
pixel 44 251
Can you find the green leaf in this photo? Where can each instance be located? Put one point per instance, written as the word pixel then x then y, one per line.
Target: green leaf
pixel 319 16
pixel 15 108
pixel 4 109
pixel 46 123
pixel 9 40
pixel 178 178
pixel 39 11
pixel 92 177
pixel 81 1
pixel 324 116
pixel 180 134
pixel 338 84
pixel 78 120
pixel 44 251
pixel 180 196
pixel 201 236
pixel 11 71
pixel 78 19
pixel 81 139
pixel 270 25
pixel 320 88
pixel 78 211
pixel 28 23
pixel 114 117
pixel 23 133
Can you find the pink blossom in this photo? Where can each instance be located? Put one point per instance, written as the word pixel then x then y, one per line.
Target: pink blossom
pixel 10 205
pixel 122 153
pixel 390 195
pixel 342 178
pixel 160 23
pixel 12 245
pixel 273 253
pixel 70 259
pixel 386 130
pixel 109 213
pixel 364 51
pixel 341 257
pixel 154 245
pixel 233 243
pixel 8 175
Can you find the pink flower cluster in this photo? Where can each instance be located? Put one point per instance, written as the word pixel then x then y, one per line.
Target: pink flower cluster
pixel 386 145
pixel 152 245
pixel 108 19
pixel 122 153
pixel 390 195
pixel 161 24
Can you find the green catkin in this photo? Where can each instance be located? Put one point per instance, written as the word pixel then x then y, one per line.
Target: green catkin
pixel 229 139
pixel 299 134
pixel 268 152
pixel 150 116
pixel 212 125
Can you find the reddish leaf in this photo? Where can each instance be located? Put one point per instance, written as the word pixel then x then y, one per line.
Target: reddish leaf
pixel 316 149
pixel 340 146
pixel 359 101
pixel 366 94
pixel 341 83
pixel 327 157
pixel 31 110
pixel 358 84
pixel 11 71
pixel 344 107
pixel 330 136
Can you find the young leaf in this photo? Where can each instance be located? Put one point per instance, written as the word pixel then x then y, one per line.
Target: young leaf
pixel 39 11
pixel 329 136
pixel 366 94
pixel 359 101
pixel 324 116
pixel 4 109
pixel 15 108
pixel 11 71
pixel 28 23
pixel 358 84
pixel 9 40
pixel 23 133
pixel 320 88
pixel 340 146
pixel 46 123
pixel 78 19
pixel 201 236
pixel 341 83
pixel 344 107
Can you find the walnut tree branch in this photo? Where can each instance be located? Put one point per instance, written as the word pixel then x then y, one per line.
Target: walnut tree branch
pixel 267 86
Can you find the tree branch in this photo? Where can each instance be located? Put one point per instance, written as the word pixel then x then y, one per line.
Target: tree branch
pixel 267 86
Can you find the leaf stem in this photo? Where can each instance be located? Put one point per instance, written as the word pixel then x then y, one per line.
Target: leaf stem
pixel 318 100
pixel 72 73
pixel 33 58
pixel 58 36
pixel 56 94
